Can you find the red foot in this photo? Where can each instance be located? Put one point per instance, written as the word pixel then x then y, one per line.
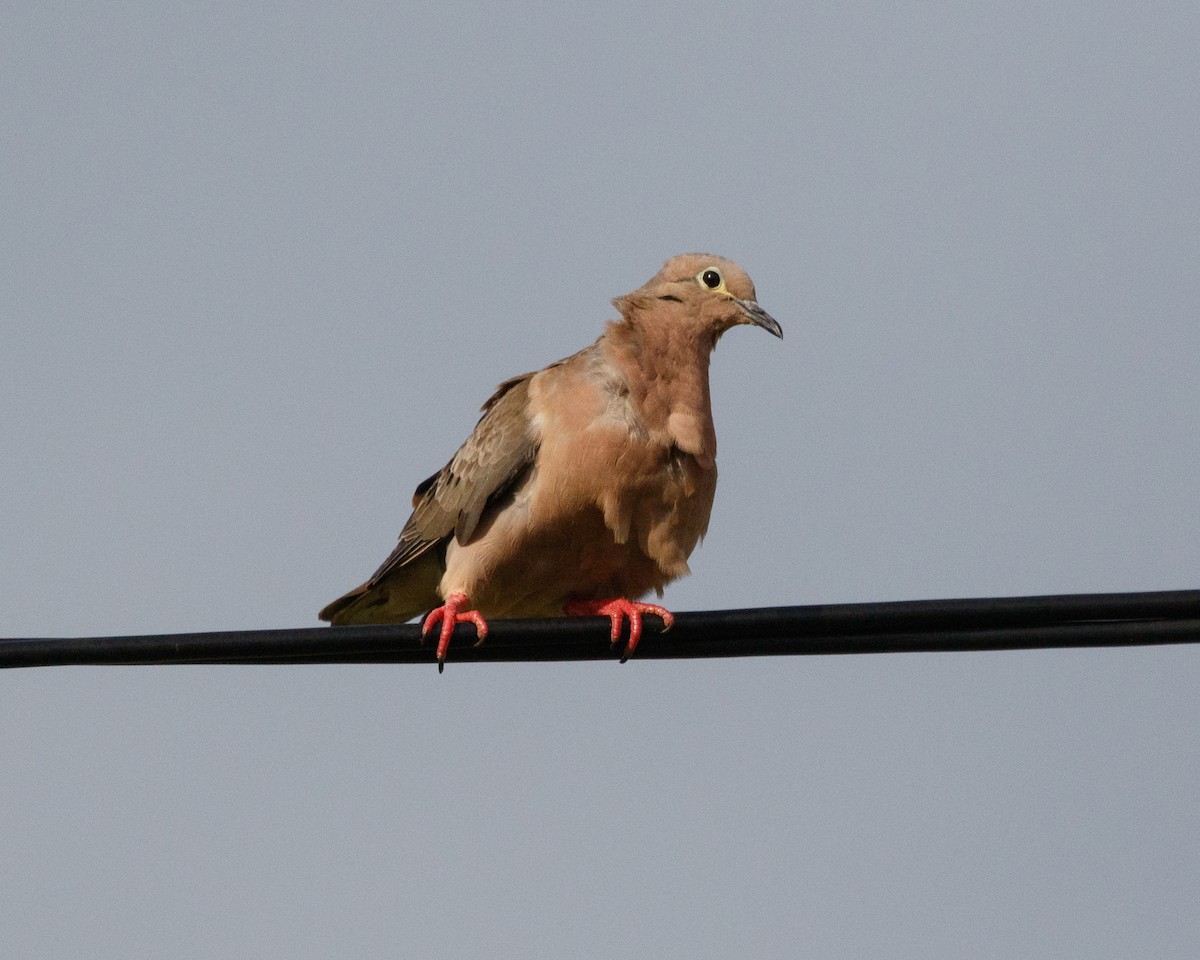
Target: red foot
pixel 617 609
pixel 449 615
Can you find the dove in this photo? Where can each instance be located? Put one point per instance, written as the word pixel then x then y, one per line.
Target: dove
pixel 585 485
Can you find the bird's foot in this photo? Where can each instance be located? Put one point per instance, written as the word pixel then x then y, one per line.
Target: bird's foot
pixel 616 610
pixel 451 614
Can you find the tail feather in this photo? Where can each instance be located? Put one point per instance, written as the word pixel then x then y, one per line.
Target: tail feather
pixel 402 594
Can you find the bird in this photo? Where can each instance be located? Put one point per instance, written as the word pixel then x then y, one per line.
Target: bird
pixel 585 485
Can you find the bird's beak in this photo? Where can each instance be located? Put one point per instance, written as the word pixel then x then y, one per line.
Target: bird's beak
pixel 759 317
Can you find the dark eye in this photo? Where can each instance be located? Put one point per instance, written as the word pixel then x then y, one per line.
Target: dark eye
pixel 711 279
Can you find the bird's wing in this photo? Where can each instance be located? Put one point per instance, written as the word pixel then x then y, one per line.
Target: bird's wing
pixel 495 455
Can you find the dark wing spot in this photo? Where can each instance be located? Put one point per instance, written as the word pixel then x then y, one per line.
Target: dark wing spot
pixel 424 485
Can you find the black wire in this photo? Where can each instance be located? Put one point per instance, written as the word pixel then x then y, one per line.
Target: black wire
pixel 1005 623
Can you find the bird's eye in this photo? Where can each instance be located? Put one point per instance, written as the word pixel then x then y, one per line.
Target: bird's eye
pixel 710 278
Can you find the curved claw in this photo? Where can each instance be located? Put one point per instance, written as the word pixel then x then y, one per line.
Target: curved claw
pixel 618 609
pixel 450 615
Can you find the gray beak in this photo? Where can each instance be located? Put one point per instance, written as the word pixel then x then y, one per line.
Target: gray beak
pixel 760 318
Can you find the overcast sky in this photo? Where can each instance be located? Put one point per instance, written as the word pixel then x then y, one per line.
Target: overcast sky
pixel 261 265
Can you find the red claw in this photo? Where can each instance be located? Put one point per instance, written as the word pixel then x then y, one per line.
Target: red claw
pixel 450 616
pixel 616 610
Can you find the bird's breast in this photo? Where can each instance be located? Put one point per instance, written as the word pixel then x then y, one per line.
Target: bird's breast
pixel 612 505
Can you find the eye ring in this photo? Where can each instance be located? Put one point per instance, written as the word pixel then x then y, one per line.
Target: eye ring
pixel 710 278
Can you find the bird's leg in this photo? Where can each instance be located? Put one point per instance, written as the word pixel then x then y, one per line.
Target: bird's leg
pixel 616 610
pixel 450 616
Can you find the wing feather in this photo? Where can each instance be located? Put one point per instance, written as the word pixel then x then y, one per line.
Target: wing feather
pixel 452 501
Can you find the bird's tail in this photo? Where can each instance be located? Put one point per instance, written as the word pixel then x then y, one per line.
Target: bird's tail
pixel 403 593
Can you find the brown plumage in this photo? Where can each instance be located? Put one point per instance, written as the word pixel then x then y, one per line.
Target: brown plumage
pixel 584 485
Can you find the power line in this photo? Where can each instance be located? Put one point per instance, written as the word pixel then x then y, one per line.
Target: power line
pixel 931 626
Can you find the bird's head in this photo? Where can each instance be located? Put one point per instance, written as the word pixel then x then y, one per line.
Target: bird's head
pixel 707 293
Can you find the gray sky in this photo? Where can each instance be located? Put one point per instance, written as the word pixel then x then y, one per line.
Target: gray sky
pixel 260 268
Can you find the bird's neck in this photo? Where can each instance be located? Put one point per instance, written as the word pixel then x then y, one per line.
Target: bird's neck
pixel 667 370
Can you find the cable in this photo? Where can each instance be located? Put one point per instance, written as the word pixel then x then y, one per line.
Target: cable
pixel 1006 623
